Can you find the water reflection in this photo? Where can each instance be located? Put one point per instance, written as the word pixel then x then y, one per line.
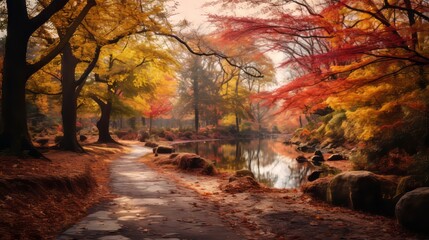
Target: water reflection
pixel 272 162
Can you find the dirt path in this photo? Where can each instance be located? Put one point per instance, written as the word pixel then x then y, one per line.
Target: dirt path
pixel 149 206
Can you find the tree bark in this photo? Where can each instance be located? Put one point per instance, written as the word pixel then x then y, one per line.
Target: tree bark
pixel 15 136
pixel 196 103
pixel 237 117
pixel 103 123
pixel 69 141
pixel 16 71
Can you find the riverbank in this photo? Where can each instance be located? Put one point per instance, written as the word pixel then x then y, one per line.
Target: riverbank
pixel 266 213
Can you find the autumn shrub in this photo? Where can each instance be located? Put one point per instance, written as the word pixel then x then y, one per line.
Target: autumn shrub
pixel 420 165
pixel 143 136
pixel 170 136
pixel 186 134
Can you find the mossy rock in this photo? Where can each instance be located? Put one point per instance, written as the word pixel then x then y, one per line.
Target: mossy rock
pixel 410 183
pixel 318 188
pixel 359 190
pixel 164 149
pixel 412 210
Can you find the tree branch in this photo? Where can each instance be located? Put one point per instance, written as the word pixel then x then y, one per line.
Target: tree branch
pixel 88 70
pixel 246 69
pixel 32 68
pixel 44 93
pixel 46 14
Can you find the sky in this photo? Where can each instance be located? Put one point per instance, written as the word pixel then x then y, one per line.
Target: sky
pixel 193 11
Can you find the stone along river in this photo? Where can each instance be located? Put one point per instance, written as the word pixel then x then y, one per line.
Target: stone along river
pixel 272 162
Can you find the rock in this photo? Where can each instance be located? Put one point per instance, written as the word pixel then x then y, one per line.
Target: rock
pixel 42 141
pixel 318 153
pixel 318 188
pixel 305 148
pixel 317 158
pixel 190 161
pixel 412 210
pixel 388 188
pixel 359 190
pixel 209 168
pixel 336 157
pixel 151 144
pixel 314 175
pixel 164 149
pixel 244 172
pixel 410 183
pixel 240 185
pixel 143 136
pixel 241 173
pixel 301 159
pixel 82 138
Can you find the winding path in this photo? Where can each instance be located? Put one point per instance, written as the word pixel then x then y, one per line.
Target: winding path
pixel 149 206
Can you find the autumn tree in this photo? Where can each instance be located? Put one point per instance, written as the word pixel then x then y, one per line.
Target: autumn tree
pixel 199 89
pixel 16 70
pixel 348 50
pixel 88 44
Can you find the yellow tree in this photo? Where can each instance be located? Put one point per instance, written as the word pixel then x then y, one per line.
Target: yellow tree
pixel 16 70
pixel 128 70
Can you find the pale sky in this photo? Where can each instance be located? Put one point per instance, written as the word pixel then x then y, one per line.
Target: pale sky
pixel 193 11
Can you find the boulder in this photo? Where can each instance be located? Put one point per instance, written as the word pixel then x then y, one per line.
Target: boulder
pixel 359 190
pixel 318 188
pixel 164 150
pixel 336 157
pixel 410 183
pixel 314 175
pixel 143 136
pixel 190 161
pixel 240 185
pixel 301 159
pixel 305 148
pixel 241 173
pixel 318 153
pixel 151 144
pixel 83 138
pixel 412 210
pixel 42 141
pixel 317 158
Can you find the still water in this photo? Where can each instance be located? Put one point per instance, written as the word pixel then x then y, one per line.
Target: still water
pixel 272 162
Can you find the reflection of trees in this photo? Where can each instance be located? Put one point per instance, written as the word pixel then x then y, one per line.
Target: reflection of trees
pixel 269 166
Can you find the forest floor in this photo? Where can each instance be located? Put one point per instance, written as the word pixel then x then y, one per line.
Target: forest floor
pixel 39 198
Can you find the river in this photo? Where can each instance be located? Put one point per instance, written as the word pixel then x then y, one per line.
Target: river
pixel 272 162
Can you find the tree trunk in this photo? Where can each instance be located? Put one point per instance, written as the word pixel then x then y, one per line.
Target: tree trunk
pixel 15 136
pixel 69 141
pixel 104 122
pixel 196 105
pixel 150 125
pixel 237 117
pixel 16 71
